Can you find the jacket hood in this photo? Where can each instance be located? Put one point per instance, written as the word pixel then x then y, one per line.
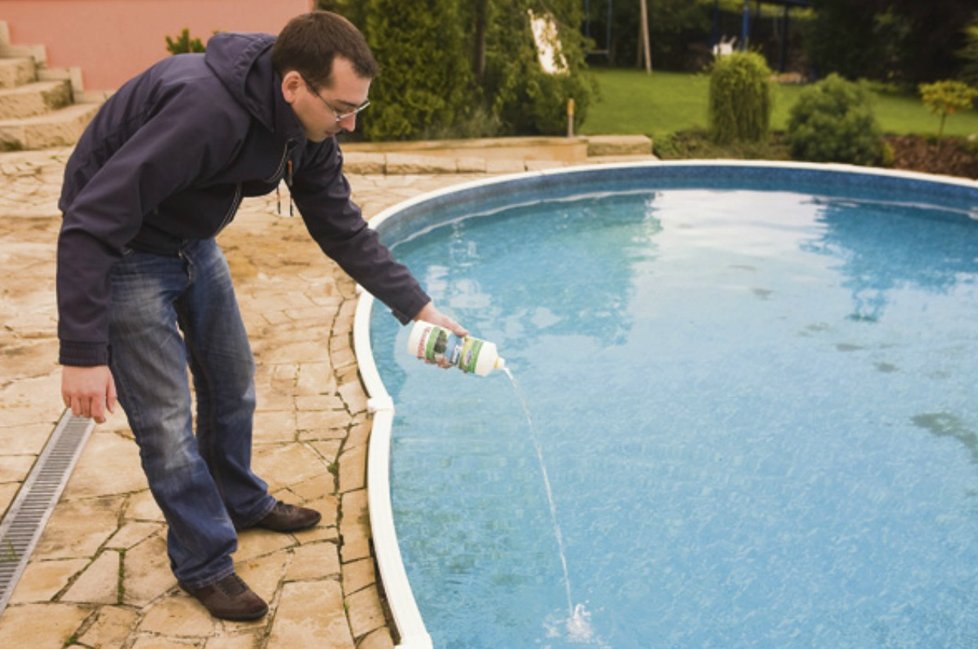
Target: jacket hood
pixel 243 63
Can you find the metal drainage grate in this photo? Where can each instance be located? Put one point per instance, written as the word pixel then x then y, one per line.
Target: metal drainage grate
pixel 22 526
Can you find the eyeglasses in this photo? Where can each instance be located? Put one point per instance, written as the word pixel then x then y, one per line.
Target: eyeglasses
pixel 337 114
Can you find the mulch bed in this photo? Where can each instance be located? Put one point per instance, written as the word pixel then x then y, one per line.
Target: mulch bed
pixel 950 156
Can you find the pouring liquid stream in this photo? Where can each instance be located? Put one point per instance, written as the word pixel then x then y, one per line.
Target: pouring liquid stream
pixel 578 625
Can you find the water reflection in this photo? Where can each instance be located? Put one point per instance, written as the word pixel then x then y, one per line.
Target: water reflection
pixel 885 246
pixel 589 233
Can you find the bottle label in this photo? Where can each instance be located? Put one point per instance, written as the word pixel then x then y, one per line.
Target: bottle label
pixel 438 345
pixel 470 354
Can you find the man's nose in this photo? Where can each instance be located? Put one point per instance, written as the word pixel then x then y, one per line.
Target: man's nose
pixel 348 123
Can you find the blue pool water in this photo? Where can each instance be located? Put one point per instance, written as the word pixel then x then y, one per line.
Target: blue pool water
pixel 755 405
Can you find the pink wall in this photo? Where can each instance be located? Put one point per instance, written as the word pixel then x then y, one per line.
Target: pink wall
pixel 112 40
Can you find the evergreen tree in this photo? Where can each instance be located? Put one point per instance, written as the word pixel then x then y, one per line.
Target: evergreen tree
pixel 468 68
pixel 833 121
pixel 425 81
pixel 903 41
pixel 740 98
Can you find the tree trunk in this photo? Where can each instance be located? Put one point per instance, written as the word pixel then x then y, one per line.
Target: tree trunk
pixel 645 36
pixel 479 50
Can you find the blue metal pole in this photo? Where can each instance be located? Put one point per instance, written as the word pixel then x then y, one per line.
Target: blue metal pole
pixel 745 27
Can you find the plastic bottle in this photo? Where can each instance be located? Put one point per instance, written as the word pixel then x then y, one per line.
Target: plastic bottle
pixel 472 355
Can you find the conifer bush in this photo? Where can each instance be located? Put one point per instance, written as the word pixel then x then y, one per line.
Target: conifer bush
pixel 184 44
pixel 740 99
pixel 442 77
pixel 833 121
pixel 425 80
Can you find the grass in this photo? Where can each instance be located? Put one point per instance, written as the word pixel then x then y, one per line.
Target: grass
pixel 662 103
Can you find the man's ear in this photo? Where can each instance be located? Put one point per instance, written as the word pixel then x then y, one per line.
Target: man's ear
pixel 290 85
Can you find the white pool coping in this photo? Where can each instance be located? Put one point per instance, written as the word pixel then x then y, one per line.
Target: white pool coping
pixel 400 598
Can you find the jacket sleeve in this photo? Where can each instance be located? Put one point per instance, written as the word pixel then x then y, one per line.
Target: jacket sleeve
pixel 322 195
pixel 172 145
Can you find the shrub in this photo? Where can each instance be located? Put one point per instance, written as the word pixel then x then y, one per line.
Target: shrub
pixel 458 68
pixel 183 44
pixel 697 143
pixel 525 99
pixel 425 80
pixel 528 101
pixel 946 98
pixel 833 121
pixel 740 98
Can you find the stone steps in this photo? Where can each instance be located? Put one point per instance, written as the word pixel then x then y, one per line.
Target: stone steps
pixel 62 127
pixel 17 71
pixel 39 105
pixel 34 98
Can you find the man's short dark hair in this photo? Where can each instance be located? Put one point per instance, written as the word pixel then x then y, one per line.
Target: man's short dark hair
pixel 309 43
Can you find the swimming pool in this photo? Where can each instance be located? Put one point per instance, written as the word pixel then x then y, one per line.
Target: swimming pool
pixel 752 391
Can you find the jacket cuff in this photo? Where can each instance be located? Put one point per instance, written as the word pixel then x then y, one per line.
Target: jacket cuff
pixel 83 354
pixel 408 308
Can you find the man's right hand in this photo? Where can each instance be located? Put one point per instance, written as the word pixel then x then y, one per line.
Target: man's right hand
pixel 88 391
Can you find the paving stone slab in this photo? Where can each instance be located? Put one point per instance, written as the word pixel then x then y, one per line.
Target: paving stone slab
pixel 78 529
pixel 355 526
pixel 311 561
pixel 8 491
pixel 378 639
pixel 158 642
pixel 140 506
pixel 98 583
pixel 109 465
pixel 238 641
pixel 146 573
pixel 42 580
pixel 358 575
pixel 353 469
pixel 14 468
pixel 19 625
pixel 281 465
pixel 111 628
pixel 365 611
pixel 178 615
pixel 132 533
pixel 256 543
pixel 310 614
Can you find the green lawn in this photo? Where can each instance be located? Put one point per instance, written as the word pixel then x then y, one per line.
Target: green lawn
pixel 631 101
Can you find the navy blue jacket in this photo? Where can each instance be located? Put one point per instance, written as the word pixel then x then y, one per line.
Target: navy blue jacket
pixel 168 159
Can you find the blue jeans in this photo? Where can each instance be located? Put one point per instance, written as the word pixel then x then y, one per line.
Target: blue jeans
pixel 168 313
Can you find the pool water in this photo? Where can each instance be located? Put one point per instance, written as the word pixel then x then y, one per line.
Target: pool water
pixel 753 422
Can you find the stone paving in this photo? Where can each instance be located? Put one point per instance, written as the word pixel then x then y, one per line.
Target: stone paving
pixel 99 577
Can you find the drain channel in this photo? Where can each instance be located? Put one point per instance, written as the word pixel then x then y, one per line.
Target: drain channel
pixel 25 520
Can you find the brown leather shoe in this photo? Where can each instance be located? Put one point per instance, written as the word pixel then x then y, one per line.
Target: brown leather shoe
pixel 289 518
pixel 230 599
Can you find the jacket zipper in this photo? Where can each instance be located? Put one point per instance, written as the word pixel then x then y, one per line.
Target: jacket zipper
pixel 277 176
pixel 286 175
pixel 231 210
